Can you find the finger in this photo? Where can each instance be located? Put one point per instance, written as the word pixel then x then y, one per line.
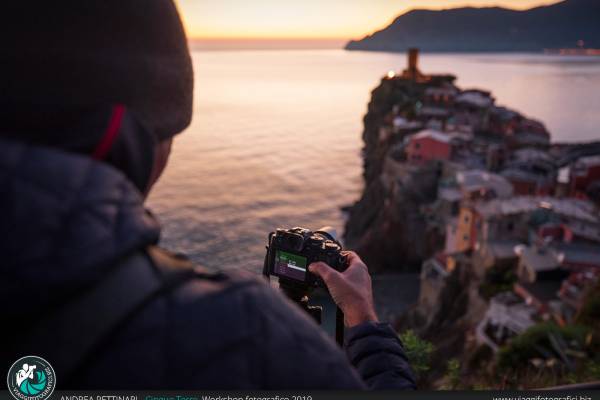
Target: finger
pixel 323 271
pixel 351 257
pixel 353 260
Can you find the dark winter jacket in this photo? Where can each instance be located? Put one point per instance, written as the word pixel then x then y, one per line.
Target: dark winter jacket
pixel 68 221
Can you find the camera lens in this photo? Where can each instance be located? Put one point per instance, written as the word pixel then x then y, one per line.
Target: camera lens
pixel 328 232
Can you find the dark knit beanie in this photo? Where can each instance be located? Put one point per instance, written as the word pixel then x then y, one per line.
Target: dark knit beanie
pixel 60 56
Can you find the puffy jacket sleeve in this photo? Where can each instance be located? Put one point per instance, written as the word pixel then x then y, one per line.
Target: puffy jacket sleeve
pixel 296 353
pixel 376 352
pixel 299 354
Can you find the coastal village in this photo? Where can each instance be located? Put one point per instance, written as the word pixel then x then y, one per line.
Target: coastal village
pixel 514 211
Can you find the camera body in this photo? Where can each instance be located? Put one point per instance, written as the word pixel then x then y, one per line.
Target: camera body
pixel 291 251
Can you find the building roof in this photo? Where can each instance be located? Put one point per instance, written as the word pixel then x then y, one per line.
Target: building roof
pixel 441 91
pixel 589 161
pixel 403 123
pixel 543 291
pixel 478 91
pixel 573 208
pixel 531 138
pixel 587 231
pixel 464 136
pixel 504 113
pixel 526 176
pixel 449 194
pixel 571 254
pixel 530 153
pixel 538 258
pixel 535 124
pixel 475 98
pixel 432 134
pixel 430 111
pixel 477 179
pixel 502 250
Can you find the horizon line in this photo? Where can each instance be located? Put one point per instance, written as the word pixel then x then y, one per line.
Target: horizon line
pixel 253 38
pixel 260 37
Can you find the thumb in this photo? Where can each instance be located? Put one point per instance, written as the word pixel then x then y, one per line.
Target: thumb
pixel 324 271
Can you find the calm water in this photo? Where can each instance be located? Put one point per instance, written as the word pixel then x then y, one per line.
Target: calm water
pixel 276 137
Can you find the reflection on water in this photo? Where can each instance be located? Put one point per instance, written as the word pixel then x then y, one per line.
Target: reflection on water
pixel 276 137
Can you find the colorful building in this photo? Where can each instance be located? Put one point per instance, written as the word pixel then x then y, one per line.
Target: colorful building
pixel 428 145
pixel 519 217
pixel 584 172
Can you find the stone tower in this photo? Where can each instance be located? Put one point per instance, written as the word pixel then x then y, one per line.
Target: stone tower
pixel 412 71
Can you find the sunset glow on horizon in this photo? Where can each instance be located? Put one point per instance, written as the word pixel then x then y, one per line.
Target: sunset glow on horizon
pixel 309 19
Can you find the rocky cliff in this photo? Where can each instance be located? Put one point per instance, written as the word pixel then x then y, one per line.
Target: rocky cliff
pixel 446 313
pixel 414 215
pixel 386 226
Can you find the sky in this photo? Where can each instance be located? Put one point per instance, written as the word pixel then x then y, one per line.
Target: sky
pixel 287 19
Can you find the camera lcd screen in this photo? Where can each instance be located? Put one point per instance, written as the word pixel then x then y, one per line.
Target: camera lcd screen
pixel 290 265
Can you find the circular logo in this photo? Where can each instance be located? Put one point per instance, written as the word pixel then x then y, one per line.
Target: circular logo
pixel 31 378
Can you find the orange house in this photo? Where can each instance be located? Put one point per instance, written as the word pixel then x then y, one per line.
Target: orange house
pixel 466 235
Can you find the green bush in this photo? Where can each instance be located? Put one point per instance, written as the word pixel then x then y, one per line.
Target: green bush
pixel 593 370
pixel 453 374
pixel 534 341
pixel 418 352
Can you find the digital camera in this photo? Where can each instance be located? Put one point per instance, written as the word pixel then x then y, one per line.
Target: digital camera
pixel 291 251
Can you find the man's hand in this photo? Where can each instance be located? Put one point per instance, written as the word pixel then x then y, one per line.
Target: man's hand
pixel 351 290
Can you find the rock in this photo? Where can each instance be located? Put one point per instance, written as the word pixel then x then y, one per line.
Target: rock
pixel 386 226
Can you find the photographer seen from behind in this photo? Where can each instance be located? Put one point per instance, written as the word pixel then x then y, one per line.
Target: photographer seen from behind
pixel 93 93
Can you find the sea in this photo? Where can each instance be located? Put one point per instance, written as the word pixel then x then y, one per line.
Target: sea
pixel 276 137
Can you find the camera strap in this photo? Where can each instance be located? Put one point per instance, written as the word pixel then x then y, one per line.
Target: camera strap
pixel 76 332
pixel 339 314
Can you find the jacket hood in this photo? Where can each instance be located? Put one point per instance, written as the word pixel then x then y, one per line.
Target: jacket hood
pixel 66 220
pixel 110 133
pixel 73 54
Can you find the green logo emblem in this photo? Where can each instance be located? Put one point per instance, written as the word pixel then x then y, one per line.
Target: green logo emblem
pixel 31 378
